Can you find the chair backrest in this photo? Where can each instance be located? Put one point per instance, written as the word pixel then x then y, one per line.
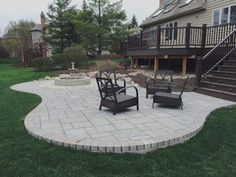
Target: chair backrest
pixel 105 86
pixel 164 74
pixel 108 73
pixel 184 85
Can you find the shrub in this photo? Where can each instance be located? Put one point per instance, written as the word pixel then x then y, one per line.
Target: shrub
pixel 106 64
pixel 3 52
pixel 75 49
pixel 71 54
pixel 42 64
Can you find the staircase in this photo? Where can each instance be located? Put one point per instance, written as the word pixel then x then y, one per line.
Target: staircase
pixel 216 74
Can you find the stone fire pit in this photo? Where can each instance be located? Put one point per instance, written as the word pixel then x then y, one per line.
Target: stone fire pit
pixel 72 79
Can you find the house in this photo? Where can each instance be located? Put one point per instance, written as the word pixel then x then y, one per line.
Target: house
pixel 179 31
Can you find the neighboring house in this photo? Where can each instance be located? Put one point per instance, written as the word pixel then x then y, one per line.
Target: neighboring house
pixel 38 43
pixel 179 31
pixel 37 40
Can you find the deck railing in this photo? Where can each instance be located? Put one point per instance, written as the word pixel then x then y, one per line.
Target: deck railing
pixel 180 37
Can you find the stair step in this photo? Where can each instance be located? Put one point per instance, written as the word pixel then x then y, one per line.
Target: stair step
pixel 224 74
pixel 230 62
pixel 216 93
pixel 226 68
pixel 232 57
pixel 219 86
pixel 222 80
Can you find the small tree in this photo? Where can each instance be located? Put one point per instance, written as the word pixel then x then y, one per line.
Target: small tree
pixel 61 31
pixel 98 22
pixel 18 39
pixel 133 23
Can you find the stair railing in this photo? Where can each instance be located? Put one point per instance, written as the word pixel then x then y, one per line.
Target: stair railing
pixel 215 56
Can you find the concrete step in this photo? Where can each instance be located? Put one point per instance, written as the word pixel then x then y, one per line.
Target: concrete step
pixel 216 93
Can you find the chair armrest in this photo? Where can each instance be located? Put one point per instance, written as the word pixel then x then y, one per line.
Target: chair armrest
pixel 136 90
pixel 149 80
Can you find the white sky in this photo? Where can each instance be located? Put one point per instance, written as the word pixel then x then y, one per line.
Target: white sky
pixel 13 10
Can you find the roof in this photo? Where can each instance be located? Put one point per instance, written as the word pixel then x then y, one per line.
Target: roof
pixel 173 9
pixel 36 28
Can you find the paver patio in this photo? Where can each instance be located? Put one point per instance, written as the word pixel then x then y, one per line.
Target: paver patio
pixel 69 116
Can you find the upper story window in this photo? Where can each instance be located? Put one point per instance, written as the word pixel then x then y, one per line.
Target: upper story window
pixel 188 1
pixel 224 15
pixel 157 13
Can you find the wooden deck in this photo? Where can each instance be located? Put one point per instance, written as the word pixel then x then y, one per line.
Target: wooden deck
pixel 182 42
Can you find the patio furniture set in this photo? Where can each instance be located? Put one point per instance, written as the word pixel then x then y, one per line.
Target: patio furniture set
pixel 114 97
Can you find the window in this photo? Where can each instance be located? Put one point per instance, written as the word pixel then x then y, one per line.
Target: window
pixel 175 30
pixel 224 15
pixel 216 17
pixel 188 1
pixel 171 32
pixel 233 14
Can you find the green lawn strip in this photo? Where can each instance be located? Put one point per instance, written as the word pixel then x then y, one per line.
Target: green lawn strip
pixel 212 153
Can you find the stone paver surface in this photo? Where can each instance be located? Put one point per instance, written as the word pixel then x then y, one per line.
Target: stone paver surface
pixel 69 116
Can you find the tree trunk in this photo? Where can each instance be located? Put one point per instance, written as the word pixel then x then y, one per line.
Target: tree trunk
pixel 99 24
pixel 62 45
pixel 22 57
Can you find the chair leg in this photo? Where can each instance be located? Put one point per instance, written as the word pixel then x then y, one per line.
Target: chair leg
pixel 114 112
pixel 137 107
pixel 146 95
pixel 100 107
pixel 153 104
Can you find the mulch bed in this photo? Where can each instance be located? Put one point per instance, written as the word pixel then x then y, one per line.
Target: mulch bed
pixel 141 79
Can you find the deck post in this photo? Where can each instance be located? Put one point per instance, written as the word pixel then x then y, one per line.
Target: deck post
pixel 184 66
pixel 158 37
pixel 141 40
pixel 136 63
pixel 156 64
pixel 204 33
pixel 132 63
pixel 187 38
pixel 198 71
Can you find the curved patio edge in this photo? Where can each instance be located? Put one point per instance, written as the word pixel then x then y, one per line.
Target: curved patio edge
pixel 188 127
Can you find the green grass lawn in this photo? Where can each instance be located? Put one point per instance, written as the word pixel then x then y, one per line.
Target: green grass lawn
pixel 210 154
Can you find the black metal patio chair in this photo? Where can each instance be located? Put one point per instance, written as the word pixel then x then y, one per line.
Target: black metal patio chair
pixel 111 74
pixel 170 99
pixel 163 84
pixel 115 101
